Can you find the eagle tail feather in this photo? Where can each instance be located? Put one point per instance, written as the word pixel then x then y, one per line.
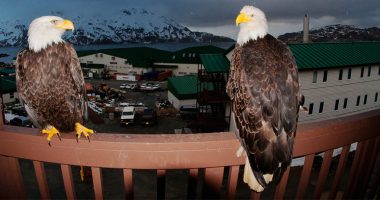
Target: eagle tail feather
pixel 250 177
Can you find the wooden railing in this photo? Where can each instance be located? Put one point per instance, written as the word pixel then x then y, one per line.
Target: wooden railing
pixel 209 162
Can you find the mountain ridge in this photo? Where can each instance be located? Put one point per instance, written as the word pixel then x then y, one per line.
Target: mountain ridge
pixel 128 26
pixel 334 33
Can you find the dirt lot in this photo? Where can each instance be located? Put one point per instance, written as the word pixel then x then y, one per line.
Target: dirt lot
pixel 165 124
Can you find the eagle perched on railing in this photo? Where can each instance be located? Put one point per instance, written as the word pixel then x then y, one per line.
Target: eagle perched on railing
pixel 265 97
pixel 49 79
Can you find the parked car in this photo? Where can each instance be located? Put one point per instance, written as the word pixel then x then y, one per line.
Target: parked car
pixel 150 86
pixel 188 111
pixel 17 121
pixel 123 86
pixel 148 117
pixel 127 116
pixel 139 107
pixel 133 86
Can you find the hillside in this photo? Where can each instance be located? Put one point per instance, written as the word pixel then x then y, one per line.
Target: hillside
pixel 127 26
pixel 335 33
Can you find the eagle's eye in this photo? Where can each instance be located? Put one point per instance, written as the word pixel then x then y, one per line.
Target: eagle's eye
pixel 53 21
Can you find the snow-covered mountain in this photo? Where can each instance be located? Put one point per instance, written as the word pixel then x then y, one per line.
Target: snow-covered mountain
pixel 338 32
pixel 128 26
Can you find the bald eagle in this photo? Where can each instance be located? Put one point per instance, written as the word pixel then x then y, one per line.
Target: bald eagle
pixel 265 99
pixel 49 79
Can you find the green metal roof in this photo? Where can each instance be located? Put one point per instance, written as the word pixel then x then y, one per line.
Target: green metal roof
pixel 185 87
pixel 215 63
pixel 83 53
pixel 331 55
pixel 191 54
pixel 145 56
pixel 8 84
pixel 137 56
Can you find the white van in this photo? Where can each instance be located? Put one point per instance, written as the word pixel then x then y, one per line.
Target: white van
pixel 127 116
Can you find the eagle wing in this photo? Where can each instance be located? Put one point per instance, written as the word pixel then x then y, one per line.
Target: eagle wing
pixel 22 83
pixel 51 85
pixel 264 90
pixel 78 78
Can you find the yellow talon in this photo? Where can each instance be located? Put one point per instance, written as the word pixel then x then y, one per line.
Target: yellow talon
pixel 80 129
pixel 50 131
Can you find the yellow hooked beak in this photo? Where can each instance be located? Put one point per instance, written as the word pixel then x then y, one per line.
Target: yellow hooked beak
pixel 65 24
pixel 241 18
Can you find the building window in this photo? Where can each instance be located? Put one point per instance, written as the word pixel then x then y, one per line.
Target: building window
pixel 365 99
pixel 113 58
pixel 311 106
pixel 96 55
pixel 11 95
pixel 113 63
pixel 315 76
pixel 101 55
pixel 325 76
pixel 376 95
pixel 362 72
pixel 321 107
pixel 345 103
pixel 340 74
pixel 126 62
pixel 349 73
pixel 358 101
pixel 336 104
pixel 369 71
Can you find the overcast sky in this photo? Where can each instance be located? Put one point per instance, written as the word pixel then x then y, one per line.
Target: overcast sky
pixel 215 16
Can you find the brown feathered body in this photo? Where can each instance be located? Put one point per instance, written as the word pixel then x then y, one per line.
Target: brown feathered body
pixel 264 90
pixel 50 83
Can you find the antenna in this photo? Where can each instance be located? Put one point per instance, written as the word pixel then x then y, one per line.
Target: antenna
pixel 305 29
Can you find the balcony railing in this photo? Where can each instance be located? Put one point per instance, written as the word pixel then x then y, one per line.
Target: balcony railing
pixel 210 162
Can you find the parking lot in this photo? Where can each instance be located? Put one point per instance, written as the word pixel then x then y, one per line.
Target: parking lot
pixel 165 124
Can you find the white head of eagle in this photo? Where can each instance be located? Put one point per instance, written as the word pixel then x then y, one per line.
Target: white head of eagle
pixel 47 30
pixel 253 24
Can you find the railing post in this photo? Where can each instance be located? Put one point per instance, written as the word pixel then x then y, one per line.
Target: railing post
pixel 68 181
pixel 161 182
pixel 128 183
pixel 213 182
pixel 39 168
pixel 232 181
pixel 11 183
pixel 192 184
pixel 97 182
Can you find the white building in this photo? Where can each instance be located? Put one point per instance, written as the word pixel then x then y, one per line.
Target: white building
pixel 139 60
pixel 113 63
pixel 182 91
pixel 337 79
